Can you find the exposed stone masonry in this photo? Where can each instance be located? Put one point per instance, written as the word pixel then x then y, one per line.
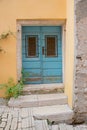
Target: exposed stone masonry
pixel 80 90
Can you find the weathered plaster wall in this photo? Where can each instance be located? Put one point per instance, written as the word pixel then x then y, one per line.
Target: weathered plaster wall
pixel 12 10
pixel 80 95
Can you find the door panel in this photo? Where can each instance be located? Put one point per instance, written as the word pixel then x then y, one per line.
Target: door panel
pixel 51 65
pixel 52 60
pixel 32 65
pixel 31 58
pixel 54 79
pixel 33 72
pixel 52 72
pixel 42 54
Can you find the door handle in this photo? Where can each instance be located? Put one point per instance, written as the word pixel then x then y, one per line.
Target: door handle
pixel 42 50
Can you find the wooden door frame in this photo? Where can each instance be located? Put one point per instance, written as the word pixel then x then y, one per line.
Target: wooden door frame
pixel 38 22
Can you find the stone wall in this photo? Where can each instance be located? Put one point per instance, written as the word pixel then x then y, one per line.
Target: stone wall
pixel 80 95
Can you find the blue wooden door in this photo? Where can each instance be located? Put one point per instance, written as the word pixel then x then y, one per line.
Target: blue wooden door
pixel 42 54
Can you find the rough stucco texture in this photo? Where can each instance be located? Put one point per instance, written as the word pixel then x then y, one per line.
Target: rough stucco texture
pixel 80 103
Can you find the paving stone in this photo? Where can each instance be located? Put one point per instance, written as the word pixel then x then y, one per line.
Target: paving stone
pixel 29 128
pixel 54 127
pixel 24 112
pixel 1 129
pixel 7 110
pixel 4 115
pixel 84 127
pixel 33 128
pixel 30 112
pixel 80 128
pixel 69 127
pixel 3 124
pixel 4 119
pixel 62 127
pixel 8 122
pixel 16 109
pixel 22 119
pixel 19 119
pixel 25 129
pixel 1 111
pixel 31 122
pixel 0 114
pixel 14 124
pixel 76 128
pixel 14 113
pixel 41 125
pixel 19 125
pixel 25 123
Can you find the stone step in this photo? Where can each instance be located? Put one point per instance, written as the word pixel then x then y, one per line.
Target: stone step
pixel 56 113
pixel 38 100
pixel 43 89
pixel 41 125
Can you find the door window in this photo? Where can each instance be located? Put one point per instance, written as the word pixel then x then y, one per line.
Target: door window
pixel 51 46
pixel 32 48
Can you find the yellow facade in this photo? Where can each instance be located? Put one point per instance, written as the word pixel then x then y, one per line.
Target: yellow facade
pixel 13 10
pixel 21 9
pixel 69 52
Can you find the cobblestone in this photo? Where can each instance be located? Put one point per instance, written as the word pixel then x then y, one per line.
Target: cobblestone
pixel 2 125
pixel 14 124
pixel 22 119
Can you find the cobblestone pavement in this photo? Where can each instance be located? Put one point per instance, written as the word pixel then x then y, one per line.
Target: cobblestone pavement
pixel 22 119
pixel 16 119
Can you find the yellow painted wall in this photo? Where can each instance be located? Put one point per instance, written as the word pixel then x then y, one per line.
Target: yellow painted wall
pixel 12 10
pixel 69 51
